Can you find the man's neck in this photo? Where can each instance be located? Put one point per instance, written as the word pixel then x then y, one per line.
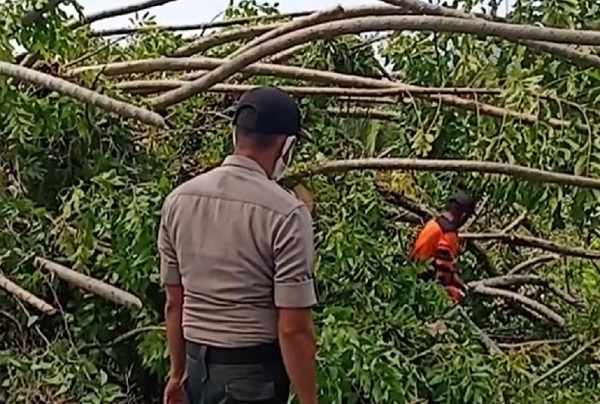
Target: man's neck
pixel 253 156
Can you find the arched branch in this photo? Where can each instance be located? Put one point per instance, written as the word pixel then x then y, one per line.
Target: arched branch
pixel 523 300
pixel 81 94
pixel 533 261
pixel 317 18
pixel 366 24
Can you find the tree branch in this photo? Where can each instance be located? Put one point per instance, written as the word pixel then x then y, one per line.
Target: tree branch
pixel 317 17
pixel 154 86
pixel 90 284
pixel 81 94
pixel 533 242
pixel 524 300
pixel 519 280
pixel 366 24
pixel 488 167
pixel 560 51
pixel 533 261
pixel 25 296
pixel 471 105
pixel 115 12
pixel 222 37
pixel 328 78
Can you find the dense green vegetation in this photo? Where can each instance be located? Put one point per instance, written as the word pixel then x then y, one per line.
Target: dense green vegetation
pixel 84 188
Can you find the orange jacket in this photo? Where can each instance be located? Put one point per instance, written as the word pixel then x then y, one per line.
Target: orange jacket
pixel 437 241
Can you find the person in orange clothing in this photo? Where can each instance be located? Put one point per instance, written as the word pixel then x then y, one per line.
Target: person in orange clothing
pixel 438 241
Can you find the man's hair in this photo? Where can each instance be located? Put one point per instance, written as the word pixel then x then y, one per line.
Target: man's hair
pixel 255 138
pixel 460 203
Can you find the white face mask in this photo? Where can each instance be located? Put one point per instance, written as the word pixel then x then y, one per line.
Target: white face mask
pixel 284 159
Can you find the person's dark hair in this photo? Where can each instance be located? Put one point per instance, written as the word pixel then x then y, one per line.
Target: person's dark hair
pixel 260 140
pixel 460 204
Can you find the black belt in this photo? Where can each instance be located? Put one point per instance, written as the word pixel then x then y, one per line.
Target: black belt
pixel 256 354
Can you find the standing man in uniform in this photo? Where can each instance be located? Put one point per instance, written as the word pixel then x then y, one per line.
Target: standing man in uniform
pixel 236 258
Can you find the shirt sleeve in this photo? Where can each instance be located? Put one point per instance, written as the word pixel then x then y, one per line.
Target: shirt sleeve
pixel 294 258
pixel 169 265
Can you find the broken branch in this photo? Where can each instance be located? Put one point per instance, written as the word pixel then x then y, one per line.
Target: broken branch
pixel 25 296
pixel 488 167
pixel 81 94
pixel 90 284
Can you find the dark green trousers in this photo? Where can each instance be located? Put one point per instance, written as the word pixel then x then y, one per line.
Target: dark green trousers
pixel 233 383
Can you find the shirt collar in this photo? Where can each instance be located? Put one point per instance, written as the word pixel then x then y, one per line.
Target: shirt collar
pixel 244 162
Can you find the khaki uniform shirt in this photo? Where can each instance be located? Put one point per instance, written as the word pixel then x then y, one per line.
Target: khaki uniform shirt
pixel 241 246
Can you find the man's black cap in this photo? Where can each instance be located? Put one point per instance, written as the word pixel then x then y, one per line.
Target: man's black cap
pixel 275 112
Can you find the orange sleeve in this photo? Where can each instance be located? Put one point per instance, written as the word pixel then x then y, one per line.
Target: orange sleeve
pixel 425 245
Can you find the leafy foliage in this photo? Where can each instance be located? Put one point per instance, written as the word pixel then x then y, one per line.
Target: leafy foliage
pixel 84 187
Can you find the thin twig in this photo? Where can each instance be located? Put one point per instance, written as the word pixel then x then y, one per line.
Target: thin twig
pixel 519 280
pixel 515 223
pixel 566 361
pixel 81 94
pixel 115 12
pixel 199 26
pixel 528 344
pixel 126 336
